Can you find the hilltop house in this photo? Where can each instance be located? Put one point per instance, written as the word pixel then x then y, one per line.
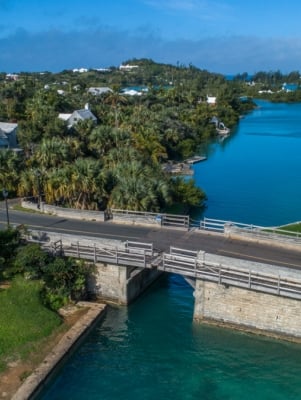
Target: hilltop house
pixel 211 100
pixel 97 91
pixel 8 135
pixel 78 115
pixel 128 67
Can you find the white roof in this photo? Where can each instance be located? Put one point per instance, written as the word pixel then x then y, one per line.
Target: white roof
pixel 64 117
pixel 7 127
pixel 99 90
pixel 132 92
pixel 211 100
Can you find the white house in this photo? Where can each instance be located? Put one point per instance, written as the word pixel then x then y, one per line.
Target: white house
pixel 211 100
pixel 8 135
pixel 80 70
pixel 128 67
pixel 131 92
pixel 97 91
pixel 78 115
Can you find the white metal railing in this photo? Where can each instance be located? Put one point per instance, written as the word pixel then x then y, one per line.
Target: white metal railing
pixel 212 224
pixel 242 228
pixel 162 219
pixel 232 276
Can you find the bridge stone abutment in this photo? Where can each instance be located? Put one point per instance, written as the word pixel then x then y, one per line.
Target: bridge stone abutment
pixel 247 310
pixel 120 284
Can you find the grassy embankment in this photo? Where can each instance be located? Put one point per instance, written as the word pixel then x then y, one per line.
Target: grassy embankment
pixel 24 321
pixel 295 229
pixel 292 227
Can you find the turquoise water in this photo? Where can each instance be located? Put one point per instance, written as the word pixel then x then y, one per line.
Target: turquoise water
pixel 254 176
pixel 153 350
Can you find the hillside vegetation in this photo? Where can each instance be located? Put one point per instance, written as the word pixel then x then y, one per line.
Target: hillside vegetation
pixel 118 161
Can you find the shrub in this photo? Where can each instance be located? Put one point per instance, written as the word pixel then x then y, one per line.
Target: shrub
pixel 30 260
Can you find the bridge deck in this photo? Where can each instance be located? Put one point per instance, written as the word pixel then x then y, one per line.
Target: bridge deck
pixel 249 275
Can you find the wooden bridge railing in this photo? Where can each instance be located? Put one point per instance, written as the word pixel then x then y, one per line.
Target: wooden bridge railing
pixel 184 262
pixel 231 276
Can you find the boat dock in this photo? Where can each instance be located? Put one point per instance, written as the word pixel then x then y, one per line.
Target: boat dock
pixel 195 159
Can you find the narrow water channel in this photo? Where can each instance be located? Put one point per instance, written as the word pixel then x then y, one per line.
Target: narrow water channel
pixel 153 350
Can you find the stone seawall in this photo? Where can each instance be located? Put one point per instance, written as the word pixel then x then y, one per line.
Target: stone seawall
pixel 248 310
pixel 42 375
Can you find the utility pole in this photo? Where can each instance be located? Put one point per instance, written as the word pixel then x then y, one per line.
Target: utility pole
pixel 5 195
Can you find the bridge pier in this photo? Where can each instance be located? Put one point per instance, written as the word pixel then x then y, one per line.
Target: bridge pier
pixel 246 310
pixel 120 284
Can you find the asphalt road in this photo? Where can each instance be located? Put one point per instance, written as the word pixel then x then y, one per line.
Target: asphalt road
pixel 162 238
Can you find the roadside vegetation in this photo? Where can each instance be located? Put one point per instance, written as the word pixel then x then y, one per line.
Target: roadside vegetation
pixel 33 286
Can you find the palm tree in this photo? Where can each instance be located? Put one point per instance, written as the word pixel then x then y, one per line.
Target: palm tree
pixel 104 138
pixel 115 99
pixel 87 183
pixel 58 185
pixel 9 167
pixel 52 153
pixel 148 142
pixel 138 186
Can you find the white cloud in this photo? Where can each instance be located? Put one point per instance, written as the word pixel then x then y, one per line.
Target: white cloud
pixel 55 50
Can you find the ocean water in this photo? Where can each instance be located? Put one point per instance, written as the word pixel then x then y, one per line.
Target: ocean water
pixel 254 175
pixel 153 349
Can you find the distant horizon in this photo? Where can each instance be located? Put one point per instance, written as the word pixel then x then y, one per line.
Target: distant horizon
pixel 220 36
pixel 76 69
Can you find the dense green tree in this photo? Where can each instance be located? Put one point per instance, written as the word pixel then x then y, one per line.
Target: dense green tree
pixel 185 192
pixel 117 162
pixel 10 165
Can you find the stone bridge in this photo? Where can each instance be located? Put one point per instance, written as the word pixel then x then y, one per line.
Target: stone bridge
pixel 244 294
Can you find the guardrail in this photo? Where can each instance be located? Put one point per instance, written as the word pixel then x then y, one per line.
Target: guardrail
pixel 212 224
pixel 134 254
pixel 193 264
pixel 173 221
pixel 115 215
pixel 162 219
pixel 256 231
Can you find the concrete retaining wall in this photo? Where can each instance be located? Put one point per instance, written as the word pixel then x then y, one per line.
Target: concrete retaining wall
pixel 248 310
pixel 66 212
pixel 135 219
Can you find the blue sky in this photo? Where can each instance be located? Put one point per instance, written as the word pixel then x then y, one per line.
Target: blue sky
pixel 226 36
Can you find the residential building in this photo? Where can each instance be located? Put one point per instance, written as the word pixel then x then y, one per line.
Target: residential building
pixel 78 115
pixel 8 135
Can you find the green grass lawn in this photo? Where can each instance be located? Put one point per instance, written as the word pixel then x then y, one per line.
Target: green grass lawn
pixel 24 321
pixel 292 227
